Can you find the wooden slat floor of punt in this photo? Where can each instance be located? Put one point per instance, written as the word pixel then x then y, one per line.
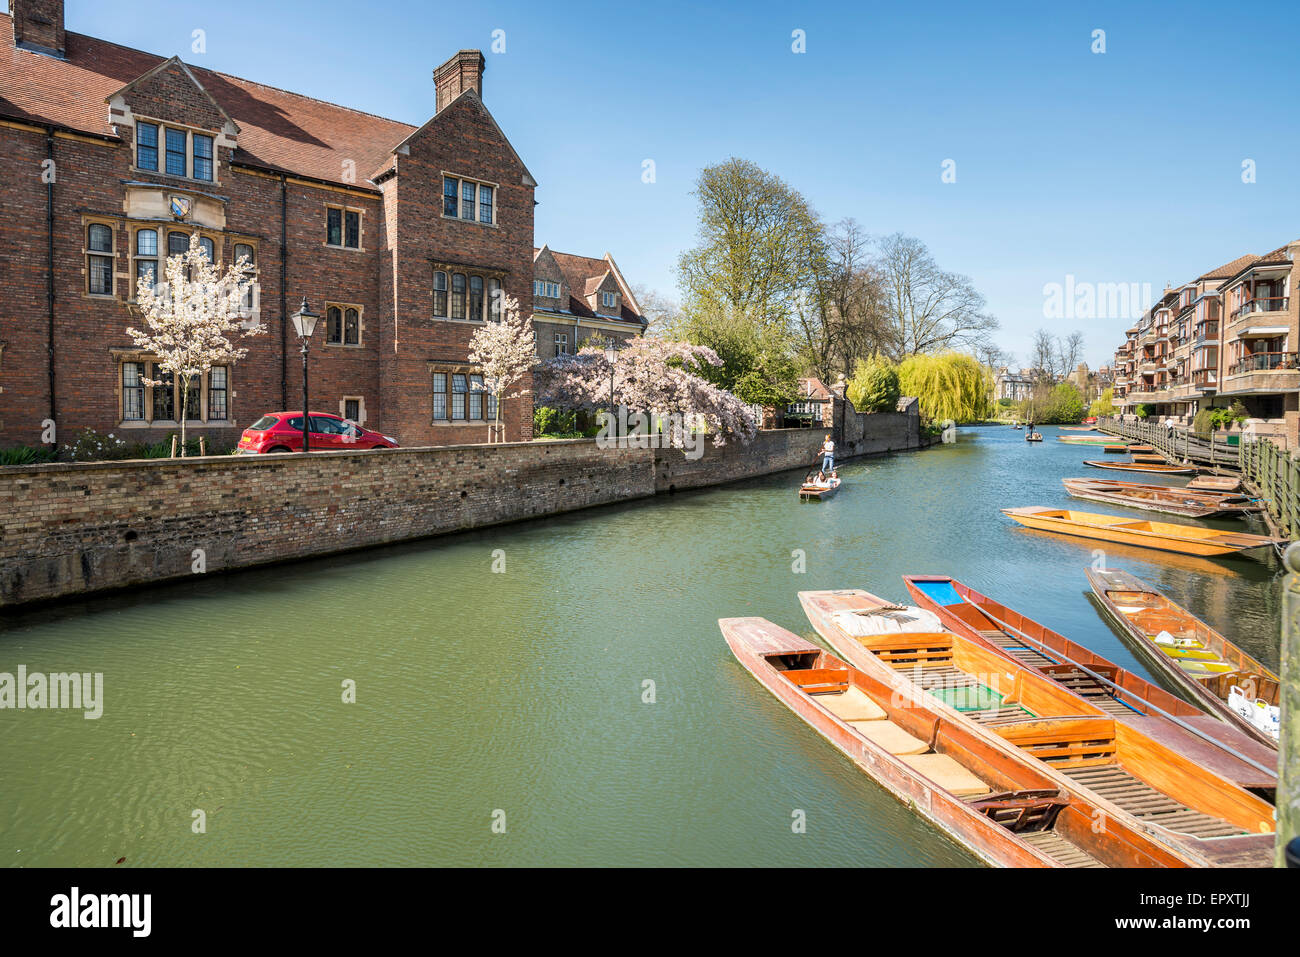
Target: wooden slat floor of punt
pixel 1143 801
pixel 1016 648
pixel 1059 849
pixel 1081 684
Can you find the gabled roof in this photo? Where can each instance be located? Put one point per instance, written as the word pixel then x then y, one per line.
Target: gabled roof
pixel 471 100
pixel 179 63
pixel 1278 257
pixel 279 131
pixel 1229 269
pixel 583 275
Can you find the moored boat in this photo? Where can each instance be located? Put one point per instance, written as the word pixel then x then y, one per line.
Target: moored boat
pixel 1124 695
pixel 1161 498
pixel 1000 804
pixel 1114 449
pixel 1077 428
pixel 1163 469
pixel 1218 483
pixel 1144 782
pixel 1090 440
pixel 1191 655
pixel 1165 536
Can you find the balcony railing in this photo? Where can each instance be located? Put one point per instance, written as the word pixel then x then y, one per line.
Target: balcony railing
pixel 1264 362
pixel 1204 378
pixel 1271 304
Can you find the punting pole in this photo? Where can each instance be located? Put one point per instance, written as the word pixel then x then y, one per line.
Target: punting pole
pixel 1147 704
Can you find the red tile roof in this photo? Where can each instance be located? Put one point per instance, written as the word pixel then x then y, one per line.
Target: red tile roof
pixel 1229 269
pixel 279 130
pixel 585 273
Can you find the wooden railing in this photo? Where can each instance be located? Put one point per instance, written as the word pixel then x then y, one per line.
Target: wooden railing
pixel 1180 444
pixel 1271 473
pixel 1275 476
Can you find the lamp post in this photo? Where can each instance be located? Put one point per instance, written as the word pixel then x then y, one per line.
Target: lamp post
pixel 304 323
pixel 611 356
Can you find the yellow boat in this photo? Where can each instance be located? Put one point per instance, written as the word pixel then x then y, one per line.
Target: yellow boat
pixel 1166 536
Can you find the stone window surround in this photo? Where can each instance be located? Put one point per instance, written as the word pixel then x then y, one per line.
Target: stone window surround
pixel 461 179
pixel 163 228
pixel 343 228
pixel 361 408
pixel 114 226
pixel 467 369
pixel 189 131
pixel 450 268
pixel 121 356
pixel 361 325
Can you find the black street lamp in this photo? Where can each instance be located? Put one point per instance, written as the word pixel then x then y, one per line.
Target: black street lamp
pixel 304 323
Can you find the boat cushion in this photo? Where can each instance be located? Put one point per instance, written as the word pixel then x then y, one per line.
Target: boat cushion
pixel 887 621
pixel 890 737
pixel 852 705
pixel 948 774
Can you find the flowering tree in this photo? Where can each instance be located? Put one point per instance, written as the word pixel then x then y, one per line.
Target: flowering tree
pixel 651 375
pixel 506 352
pixel 189 318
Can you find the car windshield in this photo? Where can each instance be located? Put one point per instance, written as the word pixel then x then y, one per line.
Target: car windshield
pixel 264 423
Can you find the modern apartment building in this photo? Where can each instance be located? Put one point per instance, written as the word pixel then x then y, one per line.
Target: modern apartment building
pixel 1230 335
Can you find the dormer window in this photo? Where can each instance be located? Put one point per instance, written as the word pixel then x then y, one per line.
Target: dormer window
pixel 191 155
pixel 546 289
pixel 609 300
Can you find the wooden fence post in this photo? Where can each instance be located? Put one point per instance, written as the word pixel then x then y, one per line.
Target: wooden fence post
pixel 1288 754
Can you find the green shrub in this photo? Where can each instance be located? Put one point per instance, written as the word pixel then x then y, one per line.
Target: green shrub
pixel 874 386
pixel 1141 411
pixel 1005 403
pixel 92 446
pixel 26 455
pixel 552 422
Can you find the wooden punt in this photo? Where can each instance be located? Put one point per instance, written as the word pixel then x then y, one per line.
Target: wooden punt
pixel 1003 806
pixel 1128 697
pixel 1141 448
pixel 1164 536
pixel 1114 449
pixel 1147 784
pixel 812 492
pixel 1090 440
pixel 1162 468
pixel 1217 483
pixel 1033 437
pixel 1187 652
pixel 1161 498
pixel 1078 428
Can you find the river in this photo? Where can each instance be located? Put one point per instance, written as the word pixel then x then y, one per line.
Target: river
pixel 504 717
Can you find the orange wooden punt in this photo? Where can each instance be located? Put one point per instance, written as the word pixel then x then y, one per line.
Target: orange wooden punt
pixel 1005 807
pixel 1217 483
pixel 1164 469
pixel 1135 701
pixel 1164 536
pixel 1203 664
pixel 1133 776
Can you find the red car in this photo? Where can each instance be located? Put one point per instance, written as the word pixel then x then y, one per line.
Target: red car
pixel 282 432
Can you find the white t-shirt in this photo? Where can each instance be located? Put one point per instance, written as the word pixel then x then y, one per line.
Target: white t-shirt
pixel 828 447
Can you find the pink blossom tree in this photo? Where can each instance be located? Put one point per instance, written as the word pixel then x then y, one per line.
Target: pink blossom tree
pixel 649 375
pixel 505 351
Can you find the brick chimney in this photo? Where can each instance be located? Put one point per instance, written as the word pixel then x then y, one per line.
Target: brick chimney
pixel 38 25
pixel 462 72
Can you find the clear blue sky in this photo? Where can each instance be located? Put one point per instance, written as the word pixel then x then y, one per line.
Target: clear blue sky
pixel 1115 167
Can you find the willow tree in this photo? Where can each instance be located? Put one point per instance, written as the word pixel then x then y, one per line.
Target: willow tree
pixel 949 385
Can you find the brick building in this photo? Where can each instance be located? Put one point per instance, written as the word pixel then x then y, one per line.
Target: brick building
pixel 576 298
pixel 402 238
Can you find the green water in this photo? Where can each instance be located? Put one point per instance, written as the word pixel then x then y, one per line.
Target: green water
pixel 522 691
